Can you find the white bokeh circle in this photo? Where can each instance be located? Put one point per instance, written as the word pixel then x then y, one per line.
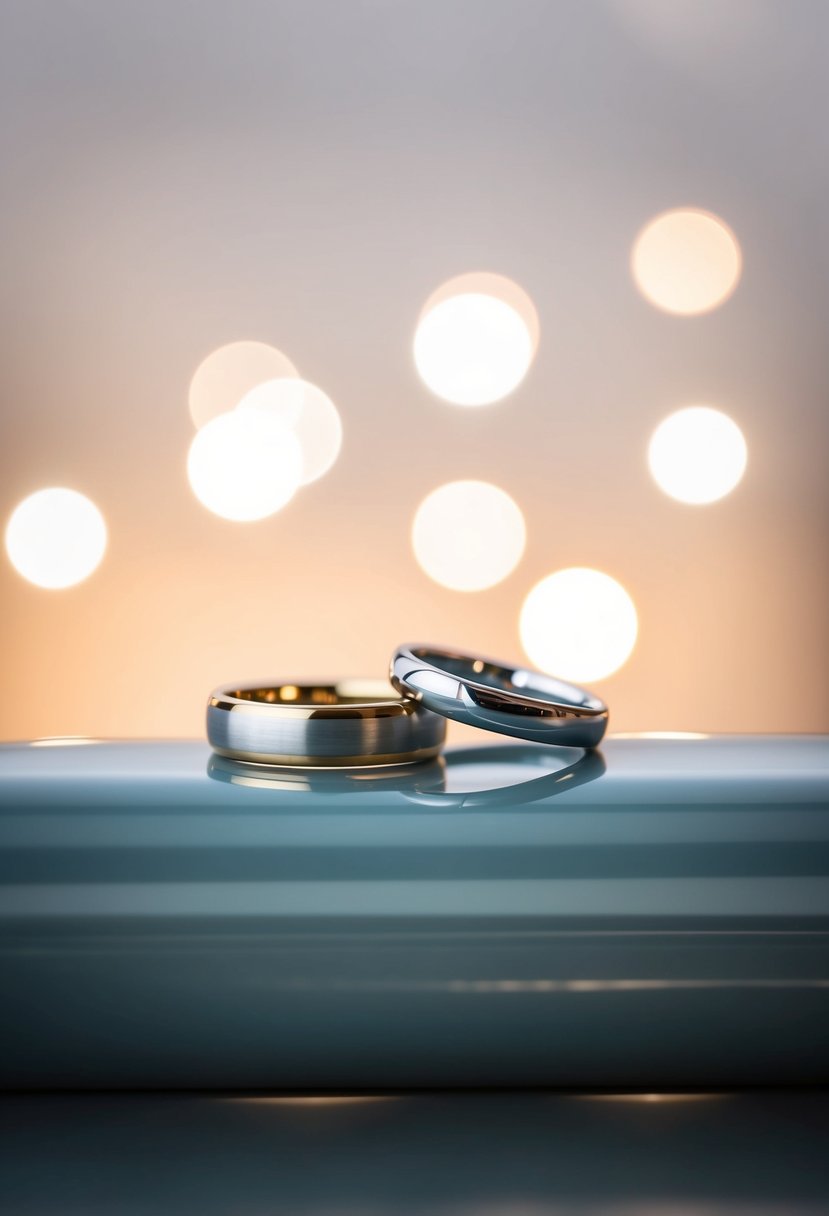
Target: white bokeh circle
pixel 244 465
pixel 578 624
pixel 686 261
pixel 468 535
pixel 475 339
pixel 697 454
pixel 56 537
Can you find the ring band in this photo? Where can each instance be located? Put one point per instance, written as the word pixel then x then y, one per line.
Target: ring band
pixel 344 724
pixel 493 696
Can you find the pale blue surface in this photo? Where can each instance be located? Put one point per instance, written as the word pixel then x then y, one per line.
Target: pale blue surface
pixel 656 916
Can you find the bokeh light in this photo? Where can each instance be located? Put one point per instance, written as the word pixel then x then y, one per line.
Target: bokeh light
pixel 244 465
pixel 222 379
pixel 476 339
pixel 56 537
pixel 697 455
pixel 578 624
pixel 468 535
pixel 686 261
pixel 310 414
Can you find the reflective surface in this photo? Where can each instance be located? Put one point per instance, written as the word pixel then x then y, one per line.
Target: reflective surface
pixel 510 701
pixel 657 916
pixel 757 1153
pixel 456 781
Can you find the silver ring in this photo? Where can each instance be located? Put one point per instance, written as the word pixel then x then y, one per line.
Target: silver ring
pixel 494 696
pixel 344 724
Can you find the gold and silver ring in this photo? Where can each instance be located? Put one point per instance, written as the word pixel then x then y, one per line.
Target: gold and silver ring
pixel 344 724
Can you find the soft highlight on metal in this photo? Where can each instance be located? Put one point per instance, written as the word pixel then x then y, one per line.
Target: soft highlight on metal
pixel 342 724
pixel 497 697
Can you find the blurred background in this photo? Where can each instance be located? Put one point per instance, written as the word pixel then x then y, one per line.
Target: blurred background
pixel 646 178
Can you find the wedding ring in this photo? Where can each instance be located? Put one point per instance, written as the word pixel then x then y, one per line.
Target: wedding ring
pixel 344 724
pixel 494 696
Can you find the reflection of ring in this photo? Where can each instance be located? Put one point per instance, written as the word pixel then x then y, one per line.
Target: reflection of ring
pixel 442 784
pixel 510 700
pixel 345 724
pixel 329 782
pixel 588 766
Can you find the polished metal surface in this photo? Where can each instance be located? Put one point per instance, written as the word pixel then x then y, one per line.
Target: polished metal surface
pixel 652 915
pixel 349 723
pixel 513 701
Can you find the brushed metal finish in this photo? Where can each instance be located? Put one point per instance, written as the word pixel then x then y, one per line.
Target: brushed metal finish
pixel 493 696
pixel 321 725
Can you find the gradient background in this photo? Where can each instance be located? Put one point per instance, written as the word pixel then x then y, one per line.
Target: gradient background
pixel 181 175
